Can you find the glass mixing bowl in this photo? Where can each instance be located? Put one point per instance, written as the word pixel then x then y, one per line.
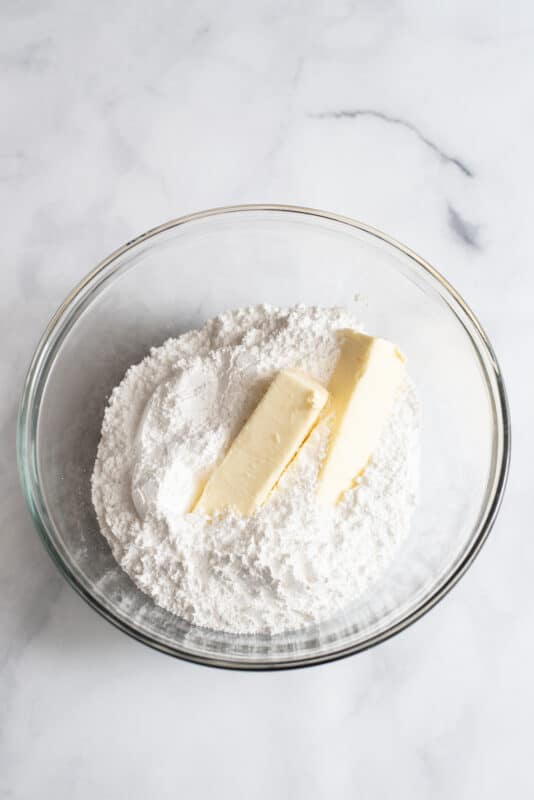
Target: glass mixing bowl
pixel 172 279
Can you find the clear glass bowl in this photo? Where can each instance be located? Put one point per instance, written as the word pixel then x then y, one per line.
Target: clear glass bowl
pixel 172 279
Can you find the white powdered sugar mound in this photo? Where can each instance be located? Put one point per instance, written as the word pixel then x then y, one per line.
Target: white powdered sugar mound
pixel 171 420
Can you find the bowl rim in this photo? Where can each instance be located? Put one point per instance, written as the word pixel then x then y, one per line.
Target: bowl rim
pixel 29 409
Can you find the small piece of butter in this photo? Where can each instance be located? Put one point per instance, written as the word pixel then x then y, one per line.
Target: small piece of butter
pixel 265 445
pixel 362 390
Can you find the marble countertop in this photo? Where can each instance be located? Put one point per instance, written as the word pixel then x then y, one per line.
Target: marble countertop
pixel 414 117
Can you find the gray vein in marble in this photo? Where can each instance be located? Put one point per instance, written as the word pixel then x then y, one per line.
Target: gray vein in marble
pixel 297 72
pixel 466 231
pixel 33 55
pixel 202 31
pixel 403 123
pixel 281 136
pixel 11 165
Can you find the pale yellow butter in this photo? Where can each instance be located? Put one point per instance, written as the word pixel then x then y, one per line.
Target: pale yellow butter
pixel 265 445
pixel 362 389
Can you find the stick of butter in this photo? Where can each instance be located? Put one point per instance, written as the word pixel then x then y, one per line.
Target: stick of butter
pixel 362 390
pixel 265 445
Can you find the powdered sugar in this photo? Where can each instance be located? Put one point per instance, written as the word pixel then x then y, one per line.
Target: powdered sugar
pixel 170 421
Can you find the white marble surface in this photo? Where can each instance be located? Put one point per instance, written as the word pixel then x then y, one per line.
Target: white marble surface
pixel 415 117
